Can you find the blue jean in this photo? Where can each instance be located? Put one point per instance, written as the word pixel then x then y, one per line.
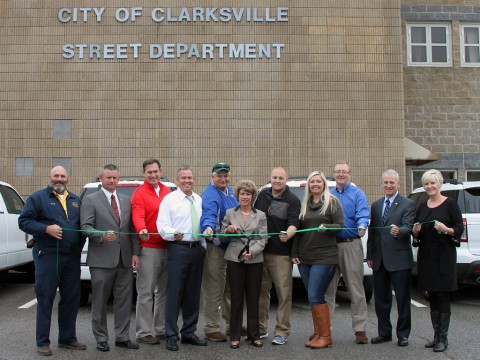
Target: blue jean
pixel 316 279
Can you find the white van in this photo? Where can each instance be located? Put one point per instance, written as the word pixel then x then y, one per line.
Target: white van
pixel 13 248
pixel 467 196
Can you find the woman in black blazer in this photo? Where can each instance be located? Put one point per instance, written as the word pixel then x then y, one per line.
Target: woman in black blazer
pixel 437 232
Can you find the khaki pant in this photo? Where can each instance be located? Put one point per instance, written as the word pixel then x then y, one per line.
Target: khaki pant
pixel 216 293
pixel 350 265
pixel 277 269
pixel 151 289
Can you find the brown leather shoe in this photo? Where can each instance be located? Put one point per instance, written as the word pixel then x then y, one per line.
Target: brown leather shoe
pixel 216 336
pixel 73 345
pixel 361 337
pixel 44 350
pixel 149 339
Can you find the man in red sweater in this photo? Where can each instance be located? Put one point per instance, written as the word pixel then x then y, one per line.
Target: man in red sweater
pixel 152 273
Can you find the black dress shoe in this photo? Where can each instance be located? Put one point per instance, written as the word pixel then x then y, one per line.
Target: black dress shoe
pixel 103 346
pixel 403 341
pixel 380 339
pixel 193 340
pixel 126 344
pixel 171 344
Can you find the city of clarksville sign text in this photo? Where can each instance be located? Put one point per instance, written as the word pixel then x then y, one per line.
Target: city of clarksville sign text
pixel 165 16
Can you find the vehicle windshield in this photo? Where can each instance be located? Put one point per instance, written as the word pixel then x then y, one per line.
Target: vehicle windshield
pixel 300 191
pixel 124 189
pixel 128 191
pixel 470 202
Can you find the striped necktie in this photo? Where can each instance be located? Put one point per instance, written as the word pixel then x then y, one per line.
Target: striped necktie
pixel 385 212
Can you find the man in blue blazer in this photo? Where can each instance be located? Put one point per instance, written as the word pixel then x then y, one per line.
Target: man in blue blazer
pixel 113 249
pixel 389 254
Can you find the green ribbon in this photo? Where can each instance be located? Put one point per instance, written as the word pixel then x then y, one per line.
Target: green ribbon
pixel 243 235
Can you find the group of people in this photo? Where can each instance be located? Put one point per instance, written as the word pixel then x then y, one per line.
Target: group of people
pixel 231 246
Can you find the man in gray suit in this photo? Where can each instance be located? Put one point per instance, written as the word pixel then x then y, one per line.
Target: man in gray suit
pixel 389 254
pixel 113 250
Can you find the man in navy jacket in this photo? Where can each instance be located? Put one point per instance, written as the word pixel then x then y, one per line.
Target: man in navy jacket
pixel 52 216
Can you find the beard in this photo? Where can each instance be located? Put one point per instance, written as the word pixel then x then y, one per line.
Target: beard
pixel 57 187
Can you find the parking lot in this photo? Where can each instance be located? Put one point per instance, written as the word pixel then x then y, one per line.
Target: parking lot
pixel 17 332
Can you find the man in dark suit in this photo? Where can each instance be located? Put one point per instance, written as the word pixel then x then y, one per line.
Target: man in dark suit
pixel 389 254
pixel 112 252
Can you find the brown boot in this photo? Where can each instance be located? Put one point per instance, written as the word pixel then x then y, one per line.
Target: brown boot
pixel 322 320
pixel 315 335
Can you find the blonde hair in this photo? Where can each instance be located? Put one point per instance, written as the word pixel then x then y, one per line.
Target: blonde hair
pixel 432 174
pixel 247 185
pixel 327 198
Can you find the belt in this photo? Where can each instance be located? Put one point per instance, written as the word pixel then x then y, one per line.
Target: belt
pixel 189 244
pixel 347 239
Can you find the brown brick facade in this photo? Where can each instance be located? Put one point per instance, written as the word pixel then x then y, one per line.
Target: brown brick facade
pixel 334 94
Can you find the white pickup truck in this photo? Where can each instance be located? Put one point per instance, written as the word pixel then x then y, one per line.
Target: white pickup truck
pixel 13 249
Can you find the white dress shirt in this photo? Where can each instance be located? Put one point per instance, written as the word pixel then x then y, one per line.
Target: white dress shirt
pixel 174 216
pixel 108 194
pixel 392 200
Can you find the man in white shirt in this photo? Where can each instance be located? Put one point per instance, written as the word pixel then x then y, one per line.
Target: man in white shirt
pixel 179 222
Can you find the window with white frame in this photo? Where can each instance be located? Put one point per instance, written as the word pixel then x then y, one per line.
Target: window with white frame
pixel 473 175
pixel 470 44
pixel 429 44
pixel 417 177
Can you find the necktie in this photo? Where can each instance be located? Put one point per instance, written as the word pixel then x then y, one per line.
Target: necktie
pixel 385 212
pixel 195 219
pixel 115 208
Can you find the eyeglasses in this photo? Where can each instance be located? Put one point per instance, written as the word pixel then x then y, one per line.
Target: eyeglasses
pixel 342 172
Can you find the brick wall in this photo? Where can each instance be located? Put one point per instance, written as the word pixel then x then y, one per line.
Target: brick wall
pixel 335 94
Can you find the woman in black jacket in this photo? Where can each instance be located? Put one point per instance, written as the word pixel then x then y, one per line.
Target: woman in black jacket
pixel 437 232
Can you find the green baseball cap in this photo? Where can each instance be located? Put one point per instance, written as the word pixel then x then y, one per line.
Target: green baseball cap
pixel 220 166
